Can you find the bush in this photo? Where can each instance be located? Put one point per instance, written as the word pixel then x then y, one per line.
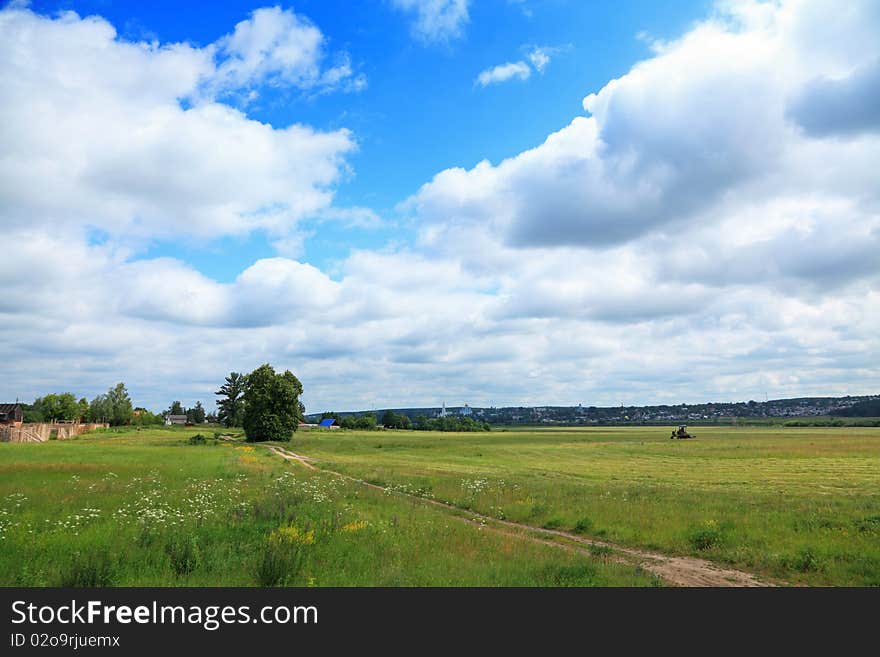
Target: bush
pixel 583 526
pixel 200 439
pixel 706 536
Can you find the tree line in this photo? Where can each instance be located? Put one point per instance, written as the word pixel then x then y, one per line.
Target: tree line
pixel 195 415
pixel 265 403
pixel 392 420
pixel 113 407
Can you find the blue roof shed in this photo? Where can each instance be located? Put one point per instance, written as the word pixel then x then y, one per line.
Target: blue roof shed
pixel 329 422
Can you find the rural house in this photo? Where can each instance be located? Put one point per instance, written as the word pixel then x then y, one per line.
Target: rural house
pixel 175 419
pixel 11 414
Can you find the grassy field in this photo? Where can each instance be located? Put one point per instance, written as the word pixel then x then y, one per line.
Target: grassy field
pixel 145 508
pixel 798 504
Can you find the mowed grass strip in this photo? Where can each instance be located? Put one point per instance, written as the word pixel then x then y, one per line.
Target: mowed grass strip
pixel 144 508
pixel 797 504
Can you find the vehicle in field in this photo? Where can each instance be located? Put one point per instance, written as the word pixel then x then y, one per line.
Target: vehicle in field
pixel 681 433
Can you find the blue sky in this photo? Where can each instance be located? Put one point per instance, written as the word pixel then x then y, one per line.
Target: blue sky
pixel 411 201
pixel 420 98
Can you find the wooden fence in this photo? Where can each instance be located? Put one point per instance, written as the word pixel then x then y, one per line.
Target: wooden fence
pixel 40 432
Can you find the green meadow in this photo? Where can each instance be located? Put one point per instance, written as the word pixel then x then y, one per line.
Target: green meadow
pixel 801 505
pixel 145 508
pixel 139 508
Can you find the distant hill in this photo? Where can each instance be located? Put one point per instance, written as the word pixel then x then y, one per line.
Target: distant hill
pixel 868 408
pixel 859 406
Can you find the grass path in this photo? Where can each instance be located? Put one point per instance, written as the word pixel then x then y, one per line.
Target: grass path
pixel 676 570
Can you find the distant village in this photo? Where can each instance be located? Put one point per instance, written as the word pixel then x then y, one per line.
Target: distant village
pixel 801 407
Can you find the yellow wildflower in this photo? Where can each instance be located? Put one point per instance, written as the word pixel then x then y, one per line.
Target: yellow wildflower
pixel 292 536
pixel 355 526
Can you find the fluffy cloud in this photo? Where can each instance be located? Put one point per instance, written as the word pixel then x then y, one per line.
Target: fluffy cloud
pixel 683 138
pixel 844 106
pixel 436 20
pixel 278 47
pixel 99 122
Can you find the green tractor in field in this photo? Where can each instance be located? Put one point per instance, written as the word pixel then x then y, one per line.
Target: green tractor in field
pixel 681 433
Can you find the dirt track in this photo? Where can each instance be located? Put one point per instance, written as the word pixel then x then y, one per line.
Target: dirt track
pixel 678 571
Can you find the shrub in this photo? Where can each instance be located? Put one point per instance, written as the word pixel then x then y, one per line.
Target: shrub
pixel 706 536
pixel 583 526
pixel 200 439
pixel 553 523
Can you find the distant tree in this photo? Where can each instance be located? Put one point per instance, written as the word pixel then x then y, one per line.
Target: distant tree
pixel 231 402
pixel 197 413
pixel 144 418
pixel 31 413
pixel 868 408
pixel 100 409
pixel 272 408
pixel 367 421
pixel 176 409
pixel 83 409
pixel 422 423
pixel 120 405
pixel 389 419
pixel 56 408
pixel 403 422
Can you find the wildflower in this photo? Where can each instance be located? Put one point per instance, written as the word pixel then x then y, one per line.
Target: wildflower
pixel 355 526
pixel 292 535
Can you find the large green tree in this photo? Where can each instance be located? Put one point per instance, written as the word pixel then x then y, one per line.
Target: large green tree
pixel 100 409
pixel 231 402
pixel 272 408
pixel 120 405
pixel 389 419
pixel 57 408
